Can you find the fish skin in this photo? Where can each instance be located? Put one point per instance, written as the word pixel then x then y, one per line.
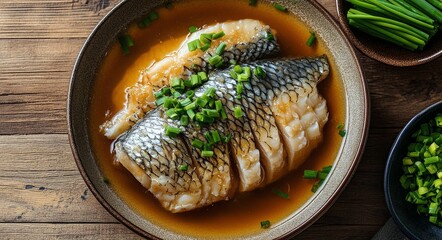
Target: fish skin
pixel 259 101
pixel 249 46
pixel 160 157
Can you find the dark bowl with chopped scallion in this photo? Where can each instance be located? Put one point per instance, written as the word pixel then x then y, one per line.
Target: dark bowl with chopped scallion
pixel 395 32
pixel 413 176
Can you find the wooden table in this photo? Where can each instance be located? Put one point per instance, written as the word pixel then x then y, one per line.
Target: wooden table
pixel 42 194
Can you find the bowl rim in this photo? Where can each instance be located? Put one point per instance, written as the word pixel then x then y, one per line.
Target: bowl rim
pixel 412 123
pixel 373 54
pixel 346 179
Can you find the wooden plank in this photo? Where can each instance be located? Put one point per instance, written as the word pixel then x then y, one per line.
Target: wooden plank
pixel 48 231
pixel 39 182
pixel 51 19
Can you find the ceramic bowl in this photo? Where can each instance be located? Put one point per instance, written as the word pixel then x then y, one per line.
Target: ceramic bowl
pixel 386 52
pixel 356 108
pixel 403 213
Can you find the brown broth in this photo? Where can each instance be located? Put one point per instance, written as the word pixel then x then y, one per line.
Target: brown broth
pixel 241 215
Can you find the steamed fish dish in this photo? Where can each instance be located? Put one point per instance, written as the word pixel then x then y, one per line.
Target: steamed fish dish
pixel 237 130
pixel 245 40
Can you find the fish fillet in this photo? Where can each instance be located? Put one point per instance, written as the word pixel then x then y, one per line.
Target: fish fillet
pixel 283 122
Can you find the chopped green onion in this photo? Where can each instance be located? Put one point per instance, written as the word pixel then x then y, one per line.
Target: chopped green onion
pixel 210 92
pixel 342 132
pixel 160 101
pixel 229 137
pixel 233 74
pixel 207 153
pixel 153 16
pixel 237 112
pixel 265 224
pixel 201 102
pixel 279 7
pixel 205 47
pixel 183 167
pixel 203 76
pixel 211 112
pixel 280 193
pixel 215 136
pixel 197 143
pixel 311 39
pixel 191 114
pixel 193 29
pixel 310 174
pixel 218 35
pixel 259 72
pixel 269 36
pixel 184 121
pixel 171 113
pixel 247 72
pixel 205 39
pixel 168 102
pixel 218 105
pixel 191 106
pixel 172 131
pixel 253 2
pixel 194 45
pixel 215 60
pixel 239 88
pixel 238 69
pixel 126 41
pixel 220 49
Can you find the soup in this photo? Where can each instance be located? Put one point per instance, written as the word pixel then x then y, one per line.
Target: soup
pixel 243 214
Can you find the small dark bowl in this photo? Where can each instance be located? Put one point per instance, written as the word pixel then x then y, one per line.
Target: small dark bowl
pixel 403 213
pixel 386 52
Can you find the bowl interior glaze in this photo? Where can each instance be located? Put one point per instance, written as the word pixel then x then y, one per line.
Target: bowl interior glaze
pixel 386 52
pixel 403 213
pixel 357 117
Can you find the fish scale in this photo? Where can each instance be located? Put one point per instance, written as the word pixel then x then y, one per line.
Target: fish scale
pixel 283 120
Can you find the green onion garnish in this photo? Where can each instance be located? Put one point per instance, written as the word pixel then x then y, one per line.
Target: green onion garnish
pixel 247 71
pixel 239 88
pixel 265 224
pixel 215 136
pixel 341 131
pixel 203 76
pixel 126 41
pixel 218 35
pixel 207 153
pixel 194 45
pixel 197 143
pixel 205 47
pixel 183 167
pixel 184 121
pixel 218 105
pixel 270 36
pixel 168 103
pixel 237 112
pixel 259 72
pixel 227 138
pixel 253 2
pixel 193 29
pixel 310 174
pixel 215 60
pixel 238 69
pixel 211 113
pixel 172 131
pixel 191 114
pixel 280 193
pixel 279 7
pixel 311 39
pixel 220 49
pixel 319 175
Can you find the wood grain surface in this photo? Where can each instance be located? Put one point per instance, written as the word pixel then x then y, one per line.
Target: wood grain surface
pixel 42 193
